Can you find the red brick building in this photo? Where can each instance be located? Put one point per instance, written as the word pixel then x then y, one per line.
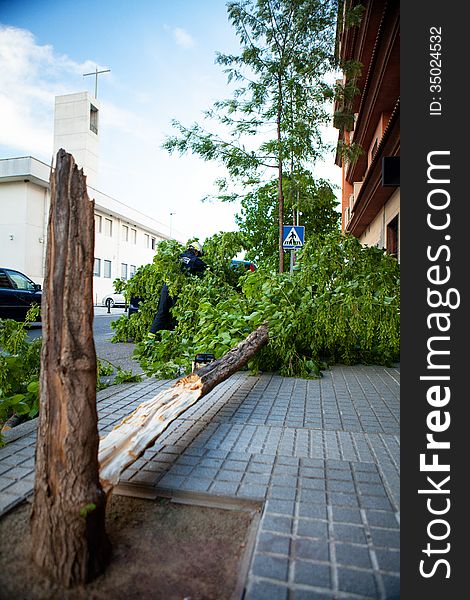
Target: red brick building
pixel 370 184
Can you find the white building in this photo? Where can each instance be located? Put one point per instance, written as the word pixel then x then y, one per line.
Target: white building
pixel 124 238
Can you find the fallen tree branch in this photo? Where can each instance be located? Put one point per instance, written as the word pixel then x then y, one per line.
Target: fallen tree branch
pixel 129 440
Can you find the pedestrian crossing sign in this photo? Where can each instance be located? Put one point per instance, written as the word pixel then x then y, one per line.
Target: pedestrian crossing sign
pixel 293 236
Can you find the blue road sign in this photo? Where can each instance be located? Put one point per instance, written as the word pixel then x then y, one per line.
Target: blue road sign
pixel 293 237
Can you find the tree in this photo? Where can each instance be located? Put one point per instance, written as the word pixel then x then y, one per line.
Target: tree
pixel 68 529
pixel 286 50
pixel 313 201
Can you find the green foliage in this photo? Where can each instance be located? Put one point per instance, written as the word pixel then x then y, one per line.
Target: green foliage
pixel 312 201
pixel 19 368
pixel 341 304
pixel 87 509
pixel 274 118
pixel 20 362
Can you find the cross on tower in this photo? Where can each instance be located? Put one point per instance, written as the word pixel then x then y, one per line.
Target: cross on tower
pixel 96 73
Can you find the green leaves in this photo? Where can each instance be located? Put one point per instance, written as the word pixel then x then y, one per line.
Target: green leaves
pixel 340 305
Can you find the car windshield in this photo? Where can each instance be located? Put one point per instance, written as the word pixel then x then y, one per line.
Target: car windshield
pixel 20 281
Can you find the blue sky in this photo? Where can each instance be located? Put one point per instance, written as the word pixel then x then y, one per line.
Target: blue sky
pixel 161 55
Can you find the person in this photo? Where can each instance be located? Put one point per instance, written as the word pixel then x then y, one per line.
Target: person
pixel 191 264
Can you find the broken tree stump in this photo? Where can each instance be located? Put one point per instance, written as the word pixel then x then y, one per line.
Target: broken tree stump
pixel 68 518
pixel 129 440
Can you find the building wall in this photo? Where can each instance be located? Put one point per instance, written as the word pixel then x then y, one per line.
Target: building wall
pixel 75 132
pixel 24 207
pixel 376 233
pixel 24 210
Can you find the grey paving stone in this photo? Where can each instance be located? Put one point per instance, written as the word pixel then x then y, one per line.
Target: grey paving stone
pixel 306 594
pixel 357 582
pixel 341 499
pixel 381 518
pixel 260 468
pixel 251 490
pixel 335 485
pixel 7 501
pixel 262 590
pixel 392 587
pixel 226 475
pixel 308 495
pixel 314 463
pixel 371 489
pixel 314 511
pixel 171 481
pixel 225 488
pixel 235 465
pixel 273 544
pixel 386 538
pixel 285 470
pixel 272 567
pixel 283 493
pixel 377 502
pixel 209 472
pixel 343 514
pixel 312 528
pixel 314 574
pixel 349 533
pixel 307 549
pixel 339 474
pixel 147 477
pixel 19 488
pixel 211 462
pixel 194 450
pixel 349 555
pixel 258 478
pixel 312 484
pixel 389 560
pixel 283 507
pixel 277 524
pixel 180 470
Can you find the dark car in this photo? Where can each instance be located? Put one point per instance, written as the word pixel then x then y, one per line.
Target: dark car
pixel 17 294
pixel 243 265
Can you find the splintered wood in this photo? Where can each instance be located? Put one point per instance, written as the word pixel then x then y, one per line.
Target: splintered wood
pixel 125 443
pixel 137 432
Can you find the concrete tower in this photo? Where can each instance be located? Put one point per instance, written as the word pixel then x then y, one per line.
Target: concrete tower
pixel 76 129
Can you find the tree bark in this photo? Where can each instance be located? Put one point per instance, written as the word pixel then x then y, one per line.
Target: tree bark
pixel 126 442
pixel 219 370
pixel 69 540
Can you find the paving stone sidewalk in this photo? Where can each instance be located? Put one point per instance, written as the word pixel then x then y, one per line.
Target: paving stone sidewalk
pixel 321 455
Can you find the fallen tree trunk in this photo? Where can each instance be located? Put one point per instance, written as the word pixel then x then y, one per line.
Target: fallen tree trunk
pixel 126 442
pixel 68 518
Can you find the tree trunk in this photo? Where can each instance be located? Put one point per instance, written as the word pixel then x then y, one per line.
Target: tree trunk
pixel 219 370
pixel 280 193
pixel 68 531
pixel 126 442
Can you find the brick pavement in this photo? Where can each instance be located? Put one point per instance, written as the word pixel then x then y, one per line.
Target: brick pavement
pixel 321 455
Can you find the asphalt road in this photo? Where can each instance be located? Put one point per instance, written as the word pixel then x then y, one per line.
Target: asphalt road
pixel 118 354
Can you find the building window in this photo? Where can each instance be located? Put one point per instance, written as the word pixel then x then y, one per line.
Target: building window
pixel 98 223
pixel 132 270
pixel 94 119
pixel 392 237
pixel 125 233
pixel 107 268
pixel 147 240
pixel 97 267
pixel 133 236
pixel 123 271
pixel 108 227
pixel 154 243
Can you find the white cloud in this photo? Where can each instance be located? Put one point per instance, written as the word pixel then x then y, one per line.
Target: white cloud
pixel 183 38
pixel 31 76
